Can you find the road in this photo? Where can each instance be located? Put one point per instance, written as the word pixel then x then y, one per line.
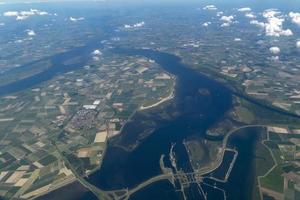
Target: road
pixel 126 193
pixel 100 194
pixel 150 181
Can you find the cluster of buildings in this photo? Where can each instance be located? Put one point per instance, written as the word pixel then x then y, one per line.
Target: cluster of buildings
pixel 71 117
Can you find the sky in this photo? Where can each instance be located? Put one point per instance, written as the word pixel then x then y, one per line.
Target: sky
pixel 118 1
pixel 283 2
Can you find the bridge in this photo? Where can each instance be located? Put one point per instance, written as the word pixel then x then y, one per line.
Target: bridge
pixel 185 179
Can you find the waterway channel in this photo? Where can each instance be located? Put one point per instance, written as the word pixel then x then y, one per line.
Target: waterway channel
pixel 191 112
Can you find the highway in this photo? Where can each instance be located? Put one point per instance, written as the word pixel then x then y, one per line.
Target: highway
pixel 124 194
pixel 100 194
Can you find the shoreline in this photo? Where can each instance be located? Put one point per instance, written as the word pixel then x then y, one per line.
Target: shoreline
pixel 163 100
pixel 218 163
pixel 63 184
pixel 169 97
pixel 69 181
pixel 241 93
pixel 219 160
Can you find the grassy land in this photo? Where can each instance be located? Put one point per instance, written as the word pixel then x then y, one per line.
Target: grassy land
pixel 244 115
pixel 202 154
pixel 266 116
pixel 234 85
pixel 196 151
pixel 274 180
pixel 263 160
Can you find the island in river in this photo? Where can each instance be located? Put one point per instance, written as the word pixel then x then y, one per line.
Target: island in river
pixel 151 158
pixel 177 149
pixel 72 115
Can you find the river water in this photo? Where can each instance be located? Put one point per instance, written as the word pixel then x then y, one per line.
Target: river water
pixel 57 68
pixel 190 113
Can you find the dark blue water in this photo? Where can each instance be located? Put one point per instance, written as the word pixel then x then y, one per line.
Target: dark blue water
pixel 159 190
pixel 57 67
pixel 222 170
pixel 242 178
pixel 192 114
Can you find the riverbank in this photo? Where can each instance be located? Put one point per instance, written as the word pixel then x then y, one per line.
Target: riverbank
pixel 162 100
pixel 158 178
pixel 238 91
pixel 64 183
pixel 217 163
pixel 191 112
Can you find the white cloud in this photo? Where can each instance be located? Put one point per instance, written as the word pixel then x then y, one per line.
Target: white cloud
pixel 22 15
pixel 30 32
pixel 274 50
pixel 140 24
pixel 269 13
pixel 295 17
pixel 10 14
pixel 274 58
pixel 287 32
pixel 96 55
pixel 237 39
pixel 247 12
pixel 205 24
pixel 42 13
pixel 274 25
pixel 136 25
pixel 227 20
pixel 298 44
pixel 220 13
pixel 27 13
pixel 2 24
pixel 225 24
pixel 250 15
pixel 18 41
pixel 210 7
pixel 73 19
pixel 127 26
pixel 97 52
pixel 95 58
pixel 246 9
pixel 257 23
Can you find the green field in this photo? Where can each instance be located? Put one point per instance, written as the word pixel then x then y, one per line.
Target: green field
pixel 273 180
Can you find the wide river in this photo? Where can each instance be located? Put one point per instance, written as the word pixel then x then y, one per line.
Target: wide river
pixel 199 103
pixel 191 112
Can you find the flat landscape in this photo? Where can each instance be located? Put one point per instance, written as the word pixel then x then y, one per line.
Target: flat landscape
pixel 151 100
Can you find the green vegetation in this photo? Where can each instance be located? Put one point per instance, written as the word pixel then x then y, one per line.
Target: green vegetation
pixel 198 153
pixel 265 116
pixel 244 115
pixel 71 109
pixel 275 151
pixel 263 160
pixel 202 155
pixel 274 136
pixel 274 180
